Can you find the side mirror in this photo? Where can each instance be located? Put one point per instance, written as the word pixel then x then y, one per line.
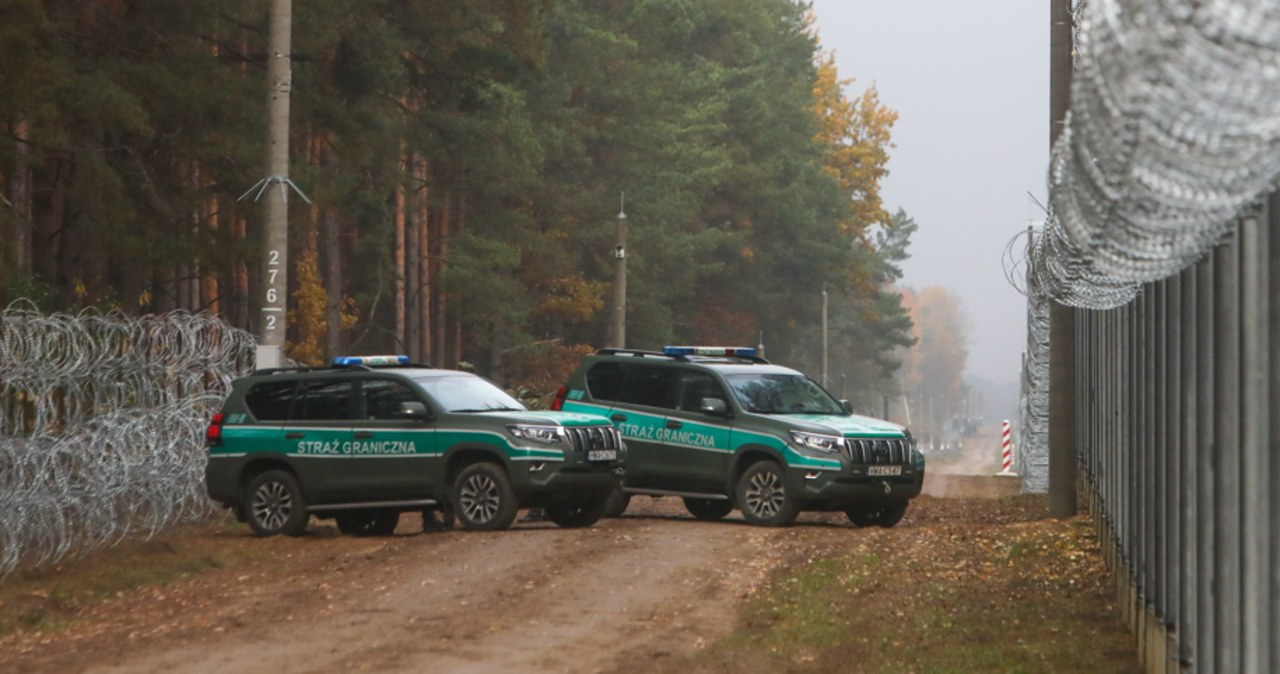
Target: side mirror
pixel 412 410
pixel 713 406
pixel 846 406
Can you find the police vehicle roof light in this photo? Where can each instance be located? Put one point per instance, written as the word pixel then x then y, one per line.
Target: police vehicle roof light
pixel 732 351
pixel 346 361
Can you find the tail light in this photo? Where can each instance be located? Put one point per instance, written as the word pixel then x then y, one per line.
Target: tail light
pixel 557 403
pixel 213 434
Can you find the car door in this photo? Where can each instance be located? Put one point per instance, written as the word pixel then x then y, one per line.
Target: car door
pixel 640 413
pixel 695 444
pixel 318 439
pixel 403 443
pixel 269 403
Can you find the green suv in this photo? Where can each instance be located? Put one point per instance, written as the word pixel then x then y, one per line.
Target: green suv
pixel 723 428
pixel 371 437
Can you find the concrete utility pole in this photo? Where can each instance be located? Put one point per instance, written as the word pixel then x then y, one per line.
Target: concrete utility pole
pixel 275 263
pixel 619 338
pixel 1062 319
pixel 824 335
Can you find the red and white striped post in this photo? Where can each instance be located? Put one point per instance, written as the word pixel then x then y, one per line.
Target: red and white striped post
pixel 1006 443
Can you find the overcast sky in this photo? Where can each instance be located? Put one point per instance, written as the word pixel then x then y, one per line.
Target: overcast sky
pixel 970 83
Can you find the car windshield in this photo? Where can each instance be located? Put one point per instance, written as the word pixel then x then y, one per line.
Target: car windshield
pixel 468 393
pixel 782 394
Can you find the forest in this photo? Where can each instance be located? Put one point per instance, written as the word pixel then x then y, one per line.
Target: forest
pixel 463 165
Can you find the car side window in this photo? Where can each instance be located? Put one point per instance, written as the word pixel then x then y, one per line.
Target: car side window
pixel 326 400
pixel 604 381
pixel 651 386
pixel 382 398
pixel 694 386
pixel 271 400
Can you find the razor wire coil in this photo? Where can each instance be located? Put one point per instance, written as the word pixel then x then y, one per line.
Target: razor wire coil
pixel 102 419
pixel 1171 132
pixel 1170 137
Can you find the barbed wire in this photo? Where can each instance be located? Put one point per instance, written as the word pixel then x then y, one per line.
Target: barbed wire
pixel 1171 132
pixel 102 421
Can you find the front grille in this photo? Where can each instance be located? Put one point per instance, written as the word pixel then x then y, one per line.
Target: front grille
pixel 878 451
pixel 583 438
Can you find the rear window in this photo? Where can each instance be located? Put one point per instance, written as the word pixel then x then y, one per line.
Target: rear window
pixel 270 400
pixel 604 381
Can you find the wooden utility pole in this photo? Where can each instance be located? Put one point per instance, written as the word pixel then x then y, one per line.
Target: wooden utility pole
pixel 1062 319
pixel 275 262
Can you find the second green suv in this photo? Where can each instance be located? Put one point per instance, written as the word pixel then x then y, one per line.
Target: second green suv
pixel 725 429
pixel 371 437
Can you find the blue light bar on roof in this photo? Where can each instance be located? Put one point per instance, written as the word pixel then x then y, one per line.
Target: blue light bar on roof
pixel 733 351
pixel 347 361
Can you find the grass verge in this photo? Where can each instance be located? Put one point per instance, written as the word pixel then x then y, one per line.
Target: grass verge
pixel 45 599
pixel 949 598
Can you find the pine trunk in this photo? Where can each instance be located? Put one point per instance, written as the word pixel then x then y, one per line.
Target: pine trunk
pixel 427 310
pixel 333 280
pixel 20 200
pixel 399 300
pixel 438 297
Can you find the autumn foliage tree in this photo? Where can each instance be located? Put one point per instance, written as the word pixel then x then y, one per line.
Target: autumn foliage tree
pixel 933 375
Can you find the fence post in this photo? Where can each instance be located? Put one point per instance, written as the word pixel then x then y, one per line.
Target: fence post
pixel 1254 462
pixel 1188 625
pixel 1226 439
pixel 1205 445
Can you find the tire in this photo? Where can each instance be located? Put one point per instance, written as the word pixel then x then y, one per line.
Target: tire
pixel 708 509
pixel 273 504
pixel 368 522
pixel 763 498
pixel 616 503
pixel 483 499
pixel 879 515
pixel 577 515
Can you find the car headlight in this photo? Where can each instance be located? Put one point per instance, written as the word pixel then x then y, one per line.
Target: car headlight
pixel 547 435
pixel 827 444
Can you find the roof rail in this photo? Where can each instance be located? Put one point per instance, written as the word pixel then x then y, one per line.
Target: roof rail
pixel 639 353
pixel 334 368
pixel 695 358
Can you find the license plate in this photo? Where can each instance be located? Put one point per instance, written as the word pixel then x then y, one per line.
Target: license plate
pixel 602 455
pixel 882 471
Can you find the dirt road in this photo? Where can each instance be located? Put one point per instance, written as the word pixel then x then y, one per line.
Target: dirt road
pixel 614 597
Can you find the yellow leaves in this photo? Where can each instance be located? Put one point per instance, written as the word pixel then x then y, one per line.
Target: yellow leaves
pixel 856 134
pixel 348 313
pixel 309 319
pixel 80 290
pixel 571 298
pixel 144 298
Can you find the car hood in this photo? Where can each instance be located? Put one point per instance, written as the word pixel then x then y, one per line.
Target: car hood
pixel 851 425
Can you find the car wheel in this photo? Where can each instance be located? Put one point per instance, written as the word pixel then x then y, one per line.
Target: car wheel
pixel 763 498
pixel 274 504
pixel 708 509
pixel 616 503
pixel 880 515
pixel 577 515
pixel 368 522
pixel 483 499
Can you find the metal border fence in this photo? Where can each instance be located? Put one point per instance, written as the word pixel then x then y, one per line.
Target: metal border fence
pixel 1177 432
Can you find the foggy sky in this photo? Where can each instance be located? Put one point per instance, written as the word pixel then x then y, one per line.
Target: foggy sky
pixel 970 83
